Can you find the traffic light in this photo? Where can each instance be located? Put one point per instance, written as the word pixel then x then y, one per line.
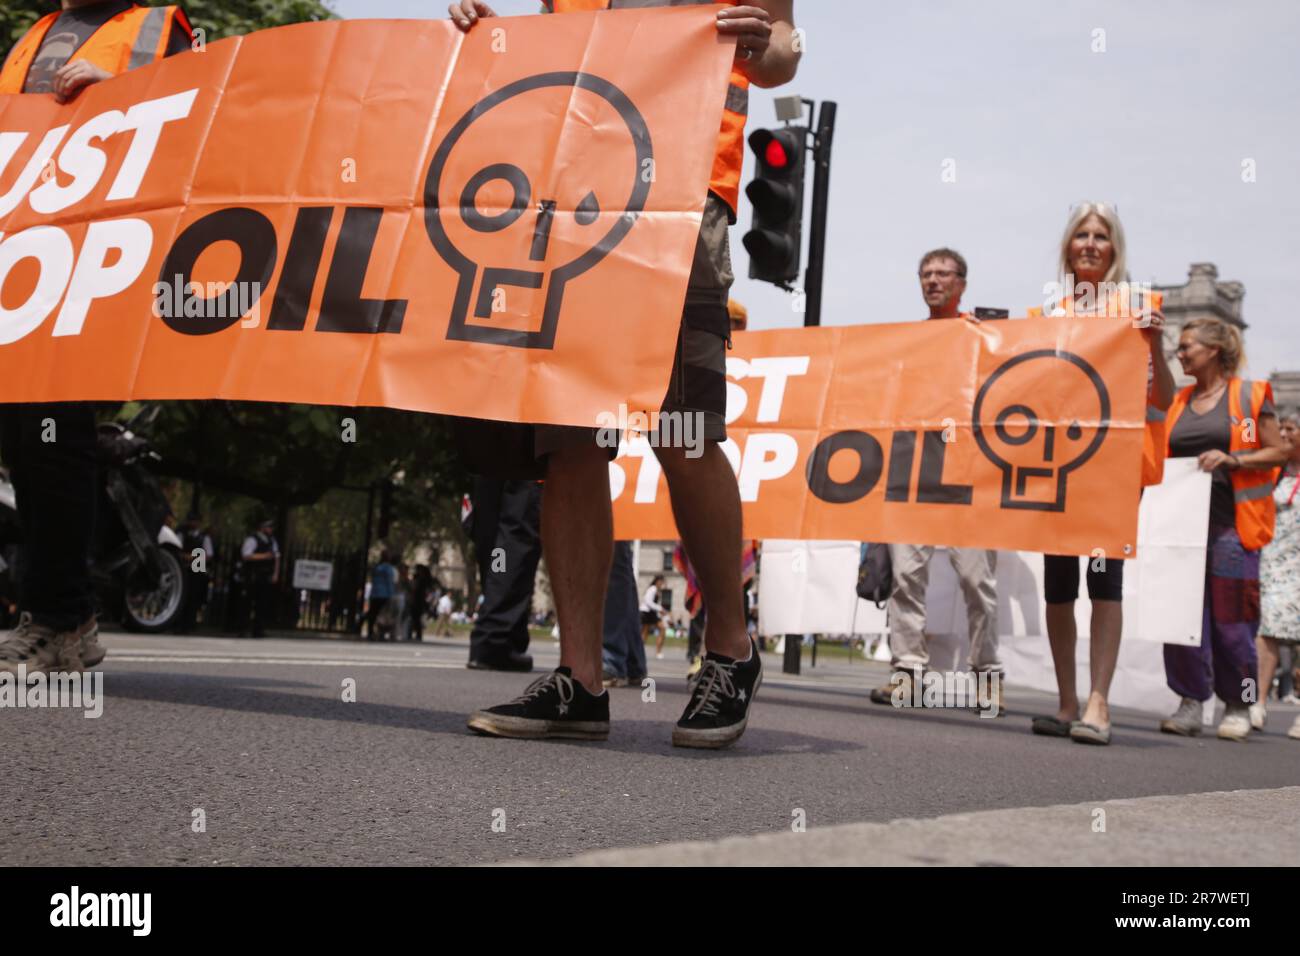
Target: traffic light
pixel 776 193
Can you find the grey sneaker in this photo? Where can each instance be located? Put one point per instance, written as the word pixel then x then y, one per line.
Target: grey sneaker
pixel 1236 723
pixel 1186 721
pixel 39 649
pixel 92 652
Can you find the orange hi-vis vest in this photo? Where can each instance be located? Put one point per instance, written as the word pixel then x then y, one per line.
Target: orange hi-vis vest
pixel 730 157
pixel 1155 436
pixel 135 37
pixel 1252 488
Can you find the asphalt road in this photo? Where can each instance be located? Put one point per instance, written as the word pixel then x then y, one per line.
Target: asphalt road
pixel 257 736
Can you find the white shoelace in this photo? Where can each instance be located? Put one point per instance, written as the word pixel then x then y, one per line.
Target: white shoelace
pixel 563 684
pixel 712 684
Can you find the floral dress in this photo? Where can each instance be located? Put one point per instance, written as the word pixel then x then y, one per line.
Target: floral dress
pixel 1279 567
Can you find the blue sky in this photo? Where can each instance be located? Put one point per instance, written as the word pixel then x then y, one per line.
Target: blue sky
pixel 1159 123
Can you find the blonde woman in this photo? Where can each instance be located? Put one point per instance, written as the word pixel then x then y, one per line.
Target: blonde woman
pixel 1094 282
pixel 1279 576
pixel 1230 426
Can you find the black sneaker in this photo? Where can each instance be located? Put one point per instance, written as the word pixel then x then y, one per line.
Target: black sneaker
pixel 720 697
pixel 553 706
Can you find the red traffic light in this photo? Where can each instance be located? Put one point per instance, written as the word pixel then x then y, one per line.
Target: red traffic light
pixel 775 154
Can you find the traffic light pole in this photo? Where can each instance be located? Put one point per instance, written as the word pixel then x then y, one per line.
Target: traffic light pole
pixel 822 142
pixel 821 150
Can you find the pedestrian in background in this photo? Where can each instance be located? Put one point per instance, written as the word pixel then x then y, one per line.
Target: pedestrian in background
pixel 383 582
pixel 1230 426
pixel 442 627
pixel 623 649
pixel 1094 278
pixel 259 556
pixel 1279 579
pixel 943 281
pixel 652 615
pixel 421 587
pixel 507 532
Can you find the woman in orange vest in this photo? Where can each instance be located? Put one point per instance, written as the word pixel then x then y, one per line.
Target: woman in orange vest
pixel 1230 426
pixel 1094 282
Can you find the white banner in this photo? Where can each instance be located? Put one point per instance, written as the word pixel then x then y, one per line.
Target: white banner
pixel 808 587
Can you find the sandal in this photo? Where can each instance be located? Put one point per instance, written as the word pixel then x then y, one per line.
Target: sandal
pixel 1051 727
pixel 1084 733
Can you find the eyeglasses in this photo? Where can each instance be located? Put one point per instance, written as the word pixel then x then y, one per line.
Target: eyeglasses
pixel 938 274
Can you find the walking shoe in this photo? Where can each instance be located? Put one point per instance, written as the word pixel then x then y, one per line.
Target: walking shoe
pixel 1186 720
pixel 720 697
pixel 92 652
pixel 610 679
pixel 997 700
pixel 553 706
pixel 900 684
pixel 39 649
pixel 515 661
pixel 1294 732
pixel 1236 723
pixel 1258 716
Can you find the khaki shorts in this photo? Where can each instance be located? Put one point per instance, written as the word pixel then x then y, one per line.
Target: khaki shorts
pixel 698 384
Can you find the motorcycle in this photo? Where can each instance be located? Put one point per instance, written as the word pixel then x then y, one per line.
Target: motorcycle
pixel 137 560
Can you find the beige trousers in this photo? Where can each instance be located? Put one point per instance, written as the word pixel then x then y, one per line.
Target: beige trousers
pixel 975 571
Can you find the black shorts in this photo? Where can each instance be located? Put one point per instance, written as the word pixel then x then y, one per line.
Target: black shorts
pixel 649 617
pixel 698 384
pixel 1061 579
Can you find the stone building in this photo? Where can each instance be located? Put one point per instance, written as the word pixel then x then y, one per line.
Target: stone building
pixel 1286 391
pixel 1202 296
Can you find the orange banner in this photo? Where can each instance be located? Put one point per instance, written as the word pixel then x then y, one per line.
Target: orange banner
pixel 1019 435
pixel 368 213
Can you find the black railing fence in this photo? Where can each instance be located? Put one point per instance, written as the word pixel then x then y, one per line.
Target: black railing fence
pixel 336 609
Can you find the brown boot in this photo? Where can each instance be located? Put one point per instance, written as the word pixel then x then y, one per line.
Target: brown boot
pixel 898 688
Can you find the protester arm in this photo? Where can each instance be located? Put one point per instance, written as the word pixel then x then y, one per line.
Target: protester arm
pixel 765 33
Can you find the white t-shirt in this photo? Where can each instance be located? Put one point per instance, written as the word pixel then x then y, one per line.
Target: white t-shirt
pixel 650 602
pixel 444 604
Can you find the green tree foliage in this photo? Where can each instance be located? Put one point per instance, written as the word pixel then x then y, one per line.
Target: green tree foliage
pixel 217 18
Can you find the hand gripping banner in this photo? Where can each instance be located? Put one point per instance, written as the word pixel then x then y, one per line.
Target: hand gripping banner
pixel 1021 435
pixel 496 225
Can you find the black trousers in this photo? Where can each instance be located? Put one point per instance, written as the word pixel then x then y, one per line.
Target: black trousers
pixel 507 516
pixel 259 599
pixel 50 451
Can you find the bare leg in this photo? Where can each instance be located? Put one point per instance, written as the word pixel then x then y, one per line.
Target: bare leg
pixel 1062 635
pixel 1107 628
pixel 578 539
pixel 706 505
pixel 659 641
pixel 1268 661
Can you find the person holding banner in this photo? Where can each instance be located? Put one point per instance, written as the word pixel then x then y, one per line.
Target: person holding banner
pixel 1094 281
pixel 1279 576
pixel 577 514
pixel 51 447
pixel 943 280
pixel 1230 426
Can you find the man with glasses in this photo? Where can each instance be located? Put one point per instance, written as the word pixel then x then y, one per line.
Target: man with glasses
pixel 943 281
